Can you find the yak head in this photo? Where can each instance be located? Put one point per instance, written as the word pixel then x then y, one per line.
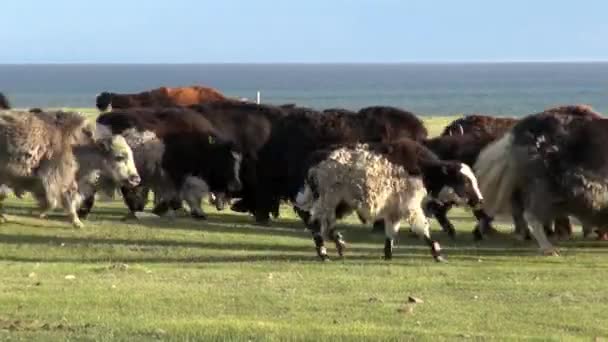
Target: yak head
pixel 103 101
pixel 454 179
pixel 118 161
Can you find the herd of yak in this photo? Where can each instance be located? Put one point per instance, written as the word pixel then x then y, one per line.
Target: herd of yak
pixel 185 144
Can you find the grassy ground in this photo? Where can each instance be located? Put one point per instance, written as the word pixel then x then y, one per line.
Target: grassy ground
pixel 226 279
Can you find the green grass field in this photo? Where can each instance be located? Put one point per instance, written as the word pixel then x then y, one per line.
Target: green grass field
pixel 228 280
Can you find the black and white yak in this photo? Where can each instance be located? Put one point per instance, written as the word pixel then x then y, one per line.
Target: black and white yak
pixel 548 166
pixel 379 181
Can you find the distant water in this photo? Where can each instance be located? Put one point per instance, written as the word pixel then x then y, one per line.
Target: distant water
pixel 426 89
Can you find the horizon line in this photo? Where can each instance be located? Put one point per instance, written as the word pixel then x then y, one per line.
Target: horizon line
pixel 565 61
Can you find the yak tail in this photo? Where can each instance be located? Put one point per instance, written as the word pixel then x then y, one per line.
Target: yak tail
pixel 497 175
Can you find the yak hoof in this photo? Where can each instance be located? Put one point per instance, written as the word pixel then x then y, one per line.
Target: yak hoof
pixel 440 258
pixel 198 216
pixel 263 223
pixel 240 206
pixel 130 216
pixel 3 218
pixel 452 233
pixel 489 230
pixel 477 236
pixel 77 224
pixel 551 252
pixel 324 258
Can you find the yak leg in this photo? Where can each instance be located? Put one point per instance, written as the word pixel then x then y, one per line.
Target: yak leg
pixel 46 204
pixel 420 225
pixel 335 236
pixel 338 239
pixel 517 211
pixel 194 202
pixel 166 201
pixel 264 204
pixel 391 229
pixel 86 206
pixel 304 215
pixel 322 223
pixel 317 237
pixel 327 230
pixel 193 191
pixel 315 229
pixel 276 209
pixel 563 227
pixel 3 195
pixel 71 201
pixel 548 227
pixel 320 246
pixel 440 211
pixel 484 224
pixel 135 199
pixel 538 231
pixel 587 230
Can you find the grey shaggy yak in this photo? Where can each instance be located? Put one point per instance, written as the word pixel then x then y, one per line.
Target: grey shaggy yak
pixel 56 157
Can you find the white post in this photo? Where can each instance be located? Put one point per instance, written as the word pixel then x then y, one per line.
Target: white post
pixel 258 98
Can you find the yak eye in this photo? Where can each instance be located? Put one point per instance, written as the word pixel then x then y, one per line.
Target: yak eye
pixel 120 158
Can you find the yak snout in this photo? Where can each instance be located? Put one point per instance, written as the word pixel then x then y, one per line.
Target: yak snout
pixel 133 180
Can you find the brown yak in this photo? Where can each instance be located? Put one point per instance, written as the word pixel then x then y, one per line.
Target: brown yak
pixel 160 97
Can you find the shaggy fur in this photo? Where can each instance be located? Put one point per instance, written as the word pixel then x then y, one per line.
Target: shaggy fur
pixel 369 183
pixel 51 154
pixel 153 133
pixel 145 129
pixel 490 128
pixel 378 181
pixel 479 124
pixel 281 166
pixel 161 97
pixel 553 161
pixel 248 126
pixel 390 123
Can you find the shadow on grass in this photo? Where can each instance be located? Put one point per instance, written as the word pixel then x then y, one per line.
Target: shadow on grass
pixel 66 242
pixel 409 246
pixel 225 223
pixel 400 257
pixel 147 251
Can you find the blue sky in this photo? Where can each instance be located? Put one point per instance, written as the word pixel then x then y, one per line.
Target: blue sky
pixel 311 31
